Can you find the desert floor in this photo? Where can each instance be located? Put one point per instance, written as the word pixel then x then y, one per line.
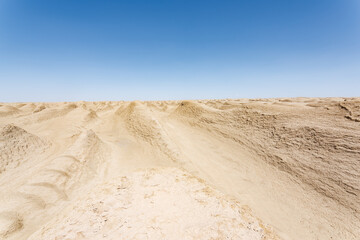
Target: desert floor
pixel 206 169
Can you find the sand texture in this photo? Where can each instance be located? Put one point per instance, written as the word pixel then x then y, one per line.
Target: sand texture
pixel 206 169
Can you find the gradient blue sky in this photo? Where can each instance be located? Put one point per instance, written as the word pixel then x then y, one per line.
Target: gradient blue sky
pixel 67 50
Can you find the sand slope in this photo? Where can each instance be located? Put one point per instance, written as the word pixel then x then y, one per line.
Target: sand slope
pixel 207 169
pixel 154 204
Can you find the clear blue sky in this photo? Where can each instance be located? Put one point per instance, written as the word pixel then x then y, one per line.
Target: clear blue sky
pixel 68 50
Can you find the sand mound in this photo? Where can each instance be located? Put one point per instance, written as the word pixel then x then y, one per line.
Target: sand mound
pixel 91 116
pixel 139 121
pixel 189 109
pixel 88 149
pixel 16 145
pixel 8 110
pixel 39 108
pixel 111 211
pixel 71 106
pixel 124 109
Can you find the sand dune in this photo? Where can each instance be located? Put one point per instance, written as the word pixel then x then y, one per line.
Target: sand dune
pixel 207 169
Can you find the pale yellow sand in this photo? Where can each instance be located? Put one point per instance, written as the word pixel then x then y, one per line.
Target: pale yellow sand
pixel 207 169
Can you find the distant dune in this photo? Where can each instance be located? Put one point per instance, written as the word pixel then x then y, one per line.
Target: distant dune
pixel 206 169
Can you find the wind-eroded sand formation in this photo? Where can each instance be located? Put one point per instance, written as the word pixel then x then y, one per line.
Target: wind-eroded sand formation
pixel 207 169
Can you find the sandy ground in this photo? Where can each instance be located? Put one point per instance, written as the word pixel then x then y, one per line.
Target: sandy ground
pixel 207 169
